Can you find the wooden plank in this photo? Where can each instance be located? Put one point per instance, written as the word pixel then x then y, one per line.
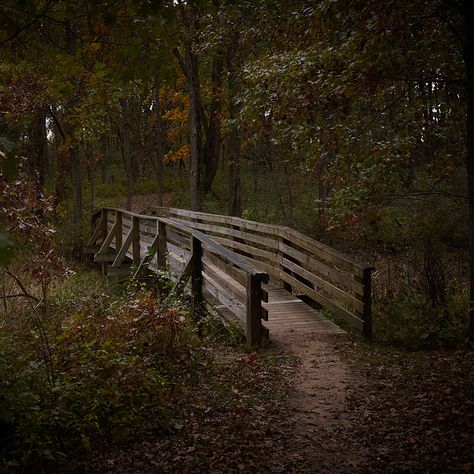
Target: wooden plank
pixel 324 270
pixel 352 319
pixel 196 276
pixel 233 288
pixel 161 259
pixel 238 275
pixel 253 332
pixel 267 242
pixel 105 245
pixel 218 292
pixel 367 315
pixel 136 240
pixel 324 251
pixel 270 269
pixel 147 258
pixel 271 256
pixel 229 220
pixel 330 289
pixel 123 249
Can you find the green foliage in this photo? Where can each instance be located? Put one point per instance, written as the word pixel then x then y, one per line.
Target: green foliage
pixel 408 321
pixel 120 365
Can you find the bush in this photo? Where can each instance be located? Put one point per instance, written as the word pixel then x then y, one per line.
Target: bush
pixel 120 364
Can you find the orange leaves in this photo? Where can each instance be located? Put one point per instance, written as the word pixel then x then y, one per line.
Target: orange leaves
pixel 180 154
pixel 176 115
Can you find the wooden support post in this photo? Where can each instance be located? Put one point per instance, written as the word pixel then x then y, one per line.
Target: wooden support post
pixel 196 277
pixel 367 316
pixel 254 311
pixel 161 259
pixel 136 240
pixel 104 224
pixel 118 235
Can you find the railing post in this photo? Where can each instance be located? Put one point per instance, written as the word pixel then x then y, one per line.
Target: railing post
pixel 196 277
pixel 118 235
pixel 136 240
pixel 367 316
pixel 104 232
pixel 161 258
pixel 254 311
pixel 104 224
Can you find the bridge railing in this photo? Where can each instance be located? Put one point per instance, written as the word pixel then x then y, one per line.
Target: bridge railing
pixel 218 275
pixel 303 265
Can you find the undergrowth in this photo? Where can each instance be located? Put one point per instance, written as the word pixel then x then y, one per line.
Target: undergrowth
pixel 116 368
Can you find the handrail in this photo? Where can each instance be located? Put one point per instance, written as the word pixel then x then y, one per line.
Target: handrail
pixel 203 238
pixel 313 269
pixel 114 237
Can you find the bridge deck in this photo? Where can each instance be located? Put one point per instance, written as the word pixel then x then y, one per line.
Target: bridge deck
pixel 286 312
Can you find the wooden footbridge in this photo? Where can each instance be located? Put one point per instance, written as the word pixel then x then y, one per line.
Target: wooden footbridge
pixel 264 277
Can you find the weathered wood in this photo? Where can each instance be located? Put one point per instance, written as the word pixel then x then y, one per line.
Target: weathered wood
pixel 235 273
pixel 136 240
pixel 312 269
pixel 108 239
pixel 213 288
pixel 161 245
pixel 150 253
pixel 196 277
pixel 331 290
pixel 321 250
pixel 344 314
pixel 253 312
pixel 265 241
pixel 229 220
pixel 232 288
pixel 123 249
pixel 248 249
pixel 324 270
pixel 180 282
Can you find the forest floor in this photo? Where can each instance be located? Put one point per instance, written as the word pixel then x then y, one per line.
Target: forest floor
pixel 336 405
pixel 328 404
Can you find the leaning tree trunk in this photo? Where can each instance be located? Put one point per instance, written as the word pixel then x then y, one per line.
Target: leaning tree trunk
pixel 469 64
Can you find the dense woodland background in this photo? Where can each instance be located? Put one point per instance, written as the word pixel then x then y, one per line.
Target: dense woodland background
pixel 345 119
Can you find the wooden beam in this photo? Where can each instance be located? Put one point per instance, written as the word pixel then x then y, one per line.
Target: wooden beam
pixel 152 249
pixel 254 312
pixel 196 277
pixel 123 249
pixel 367 314
pixel 136 240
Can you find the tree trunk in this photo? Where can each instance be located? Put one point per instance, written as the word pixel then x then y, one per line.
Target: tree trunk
pixel 212 146
pixel 76 183
pixel 469 63
pixel 125 145
pixel 75 166
pixel 195 126
pixel 159 151
pixel 39 147
pixel 233 135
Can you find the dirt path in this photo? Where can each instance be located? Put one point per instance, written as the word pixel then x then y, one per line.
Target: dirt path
pixel 318 405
